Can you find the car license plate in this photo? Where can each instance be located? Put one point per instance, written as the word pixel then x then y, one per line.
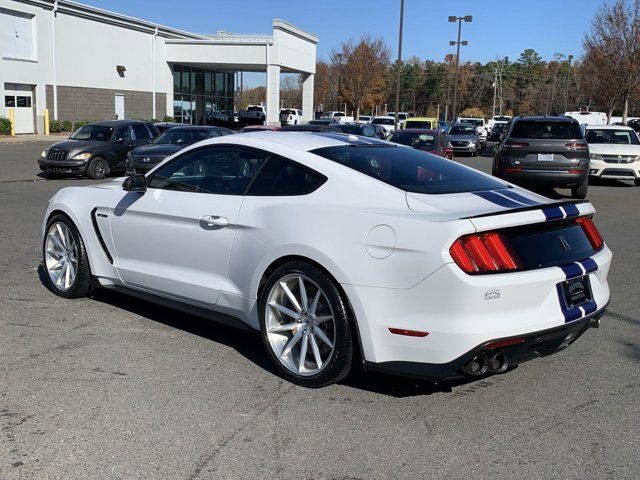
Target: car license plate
pixel 576 291
pixel 545 157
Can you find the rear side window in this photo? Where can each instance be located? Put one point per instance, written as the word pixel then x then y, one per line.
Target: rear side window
pixel 140 131
pixel 280 177
pixel 410 169
pixel 547 130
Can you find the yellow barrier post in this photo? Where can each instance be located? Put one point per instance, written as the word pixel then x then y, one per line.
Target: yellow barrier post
pixel 46 121
pixel 13 123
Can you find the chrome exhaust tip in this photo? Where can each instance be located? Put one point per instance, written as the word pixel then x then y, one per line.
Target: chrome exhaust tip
pixel 477 366
pixel 497 362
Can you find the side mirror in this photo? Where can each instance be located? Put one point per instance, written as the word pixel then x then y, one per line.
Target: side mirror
pixel 135 183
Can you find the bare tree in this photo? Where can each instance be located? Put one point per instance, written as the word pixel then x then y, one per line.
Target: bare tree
pixel 323 83
pixel 363 71
pixel 614 46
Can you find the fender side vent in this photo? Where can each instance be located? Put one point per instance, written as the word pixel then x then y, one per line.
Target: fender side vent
pixel 99 235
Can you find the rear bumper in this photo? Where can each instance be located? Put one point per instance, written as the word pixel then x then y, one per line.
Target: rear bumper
pixel 63 166
pixel 460 312
pixel 536 344
pixel 554 178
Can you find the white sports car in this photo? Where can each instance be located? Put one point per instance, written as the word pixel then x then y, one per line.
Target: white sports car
pixel 338 247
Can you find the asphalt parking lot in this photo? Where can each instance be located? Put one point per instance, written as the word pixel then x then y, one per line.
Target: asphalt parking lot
pixel 112 387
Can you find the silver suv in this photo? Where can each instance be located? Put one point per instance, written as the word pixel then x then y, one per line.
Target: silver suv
pixel 544 151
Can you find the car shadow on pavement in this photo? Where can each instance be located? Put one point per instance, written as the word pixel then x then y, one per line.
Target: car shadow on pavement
pixel 248 344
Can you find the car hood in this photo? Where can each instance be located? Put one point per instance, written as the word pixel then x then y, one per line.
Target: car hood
pixel 162 150
pixel 76 145
pixel 614 149
pixel 459 137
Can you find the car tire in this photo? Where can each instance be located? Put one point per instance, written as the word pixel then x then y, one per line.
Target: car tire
pixel 637 182
pixel 580 191
pixel 318 327
pixel 97 168
pixel 64 259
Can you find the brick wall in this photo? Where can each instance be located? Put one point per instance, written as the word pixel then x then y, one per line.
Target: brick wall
pixel 81 103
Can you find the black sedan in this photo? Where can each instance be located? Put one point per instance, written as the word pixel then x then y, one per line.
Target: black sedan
pixel 96 149
pixel 145 158
pixel 363 129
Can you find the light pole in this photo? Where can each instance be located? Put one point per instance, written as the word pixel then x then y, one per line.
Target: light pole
pixel 454 19
pixel 399 65
pixel 566 85
pixel 438 113
pixel 340 80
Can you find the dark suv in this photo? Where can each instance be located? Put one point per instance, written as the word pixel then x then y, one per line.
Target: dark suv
pixel 97 149
pixel 544 151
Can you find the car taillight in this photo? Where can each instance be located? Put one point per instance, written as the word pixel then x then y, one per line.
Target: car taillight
pixel 484 252
pixel 576 146
pixel 516 144
pixel 591 231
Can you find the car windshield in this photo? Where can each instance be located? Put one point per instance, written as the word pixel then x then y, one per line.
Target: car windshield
pixel 410 169
pixel 421 141
pixel 609 135
pixel 462 130
pixel 99 133
pixel 181 136
pixel 287 112
pixel 418 123
pixel 382 121
pixel 254 109
pixel 551 130
pixel 476 122
pixel 501 119
pixel 354 129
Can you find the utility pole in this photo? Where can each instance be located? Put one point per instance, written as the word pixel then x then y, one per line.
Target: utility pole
pixel 566 85
pixel 438 112
pixel 453 19
pixel 399 65
pixel 495 86
pixel 340 80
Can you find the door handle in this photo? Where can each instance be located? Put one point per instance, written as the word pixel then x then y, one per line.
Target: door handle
pixel 214 221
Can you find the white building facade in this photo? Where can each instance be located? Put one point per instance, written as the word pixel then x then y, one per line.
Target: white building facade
pixel 85 63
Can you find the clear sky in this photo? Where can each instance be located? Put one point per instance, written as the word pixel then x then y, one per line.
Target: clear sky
pixel 499 28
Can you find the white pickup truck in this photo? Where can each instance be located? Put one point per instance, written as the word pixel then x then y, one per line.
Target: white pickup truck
pixel 253 115
pixel 339 117
pixel 290 116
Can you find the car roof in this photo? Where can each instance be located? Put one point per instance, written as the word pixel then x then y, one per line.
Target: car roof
pixel 419 119
pixel 117 123
pixel 419 130
pixel 608 127
pixel 544 118
pixel 307 141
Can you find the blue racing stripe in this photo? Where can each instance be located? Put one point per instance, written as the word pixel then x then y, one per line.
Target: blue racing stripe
pixel 518 198
pixel 572 210
pixel 571 270
pixel 493 197
pixel 589 265
pixel 590 307
pixel 569 314
pixel 553 213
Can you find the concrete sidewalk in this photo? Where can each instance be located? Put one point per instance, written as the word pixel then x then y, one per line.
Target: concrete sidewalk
pixel 28 138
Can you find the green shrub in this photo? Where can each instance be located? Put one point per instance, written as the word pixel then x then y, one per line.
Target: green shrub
pixel 5 126
pixel 167 118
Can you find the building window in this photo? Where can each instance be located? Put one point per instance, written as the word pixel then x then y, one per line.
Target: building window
pixel 17 33
pixel 9 101
pixel 24 102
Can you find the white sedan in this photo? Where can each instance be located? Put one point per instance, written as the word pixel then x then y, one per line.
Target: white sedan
pixel 338 247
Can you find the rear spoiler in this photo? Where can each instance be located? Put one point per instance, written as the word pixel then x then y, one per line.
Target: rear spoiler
pixel 551 210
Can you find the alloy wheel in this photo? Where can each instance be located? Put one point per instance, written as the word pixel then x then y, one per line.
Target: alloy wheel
pixel 300 324
pixel 61 256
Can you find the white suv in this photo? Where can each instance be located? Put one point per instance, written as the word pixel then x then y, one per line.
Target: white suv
pixel 290 116
pixel 614 152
